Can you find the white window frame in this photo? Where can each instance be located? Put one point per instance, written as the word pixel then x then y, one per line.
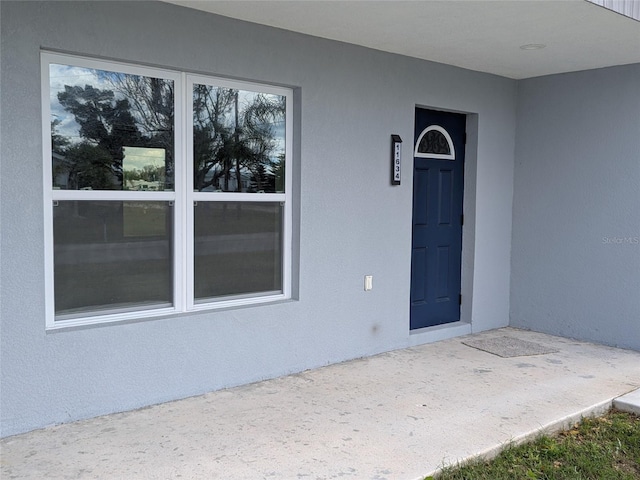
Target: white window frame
pixel 183 196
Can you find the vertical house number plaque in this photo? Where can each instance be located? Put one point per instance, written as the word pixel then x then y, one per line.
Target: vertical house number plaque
pixel 396 159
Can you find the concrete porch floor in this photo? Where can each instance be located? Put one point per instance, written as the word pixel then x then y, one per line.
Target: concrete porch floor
pixel 397 415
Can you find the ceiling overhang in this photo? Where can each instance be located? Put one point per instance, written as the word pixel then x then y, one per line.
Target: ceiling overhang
pixel 480 35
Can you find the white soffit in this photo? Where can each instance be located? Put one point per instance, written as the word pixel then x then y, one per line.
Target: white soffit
pixel 476 34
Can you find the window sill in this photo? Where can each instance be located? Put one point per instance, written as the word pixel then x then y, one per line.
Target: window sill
pixel 162 313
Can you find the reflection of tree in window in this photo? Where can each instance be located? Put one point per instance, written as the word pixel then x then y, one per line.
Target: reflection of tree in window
pixel 238 140
pixel 134 111
pixel 152 106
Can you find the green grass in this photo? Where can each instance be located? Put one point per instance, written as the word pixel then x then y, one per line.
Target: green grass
pixel 606 447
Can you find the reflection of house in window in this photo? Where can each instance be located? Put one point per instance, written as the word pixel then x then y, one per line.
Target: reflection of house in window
pixel 60 171
pixel 249 181
pixel 144 185
pixel 245 180
pixel 84 167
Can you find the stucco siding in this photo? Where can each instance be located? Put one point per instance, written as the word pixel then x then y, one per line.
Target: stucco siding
pixel 349 220
pixel 576 214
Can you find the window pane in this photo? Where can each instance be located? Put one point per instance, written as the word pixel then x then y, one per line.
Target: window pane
pixel 238 249
pixel 110 131
pixel 112 255
pixel 238 140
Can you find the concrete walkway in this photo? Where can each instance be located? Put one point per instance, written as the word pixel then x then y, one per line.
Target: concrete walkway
pixel 398 415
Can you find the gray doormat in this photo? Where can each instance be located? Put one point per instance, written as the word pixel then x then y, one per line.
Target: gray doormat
pixel 508 347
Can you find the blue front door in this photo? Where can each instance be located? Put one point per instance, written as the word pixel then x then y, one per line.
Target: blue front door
pixel 437 217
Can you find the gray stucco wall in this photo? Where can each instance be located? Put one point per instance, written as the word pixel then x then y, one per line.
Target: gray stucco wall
pixel 576 213
pixel 351 221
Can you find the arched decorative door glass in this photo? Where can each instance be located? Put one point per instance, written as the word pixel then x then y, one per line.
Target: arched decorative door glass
pixel 435 142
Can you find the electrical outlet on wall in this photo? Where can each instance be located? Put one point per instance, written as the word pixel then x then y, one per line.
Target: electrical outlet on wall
pixel 368 282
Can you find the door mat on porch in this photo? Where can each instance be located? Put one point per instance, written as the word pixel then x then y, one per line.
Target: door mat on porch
pixel 508 347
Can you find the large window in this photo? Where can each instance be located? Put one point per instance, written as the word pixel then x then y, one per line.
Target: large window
pixel 164 191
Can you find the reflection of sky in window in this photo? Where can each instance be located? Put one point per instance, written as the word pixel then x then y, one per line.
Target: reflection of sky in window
pixel 59 76
pixel 62 75
pixel 136 158
pixel 72 76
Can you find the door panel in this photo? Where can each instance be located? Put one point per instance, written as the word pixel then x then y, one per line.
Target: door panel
pixel 442 279
pixel 437 213
pixel 421 187
pixel 419 266
pixel 445 197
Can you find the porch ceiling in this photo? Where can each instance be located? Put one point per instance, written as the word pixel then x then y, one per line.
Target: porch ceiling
pixel 476 34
